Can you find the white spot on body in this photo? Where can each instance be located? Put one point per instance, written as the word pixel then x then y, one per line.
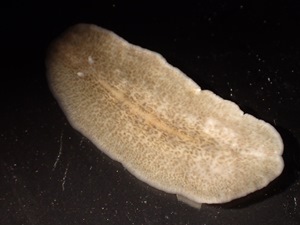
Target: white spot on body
pixel 214 127
pixel 91 60
pixel 80 74
pixel 191 119
pixel 194 87
pixel 197 91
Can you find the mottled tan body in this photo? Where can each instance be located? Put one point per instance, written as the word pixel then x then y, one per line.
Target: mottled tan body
pixel 157 122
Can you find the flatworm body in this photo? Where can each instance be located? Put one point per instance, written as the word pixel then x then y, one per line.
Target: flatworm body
pixel 157 122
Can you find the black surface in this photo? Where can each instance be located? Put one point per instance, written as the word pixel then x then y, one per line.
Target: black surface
pixel 245 52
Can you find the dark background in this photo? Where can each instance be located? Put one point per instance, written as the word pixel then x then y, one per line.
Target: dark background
pixel 247 52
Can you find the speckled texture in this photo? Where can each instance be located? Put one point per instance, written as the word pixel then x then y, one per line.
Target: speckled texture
pixel 157 122
pixel 246 52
